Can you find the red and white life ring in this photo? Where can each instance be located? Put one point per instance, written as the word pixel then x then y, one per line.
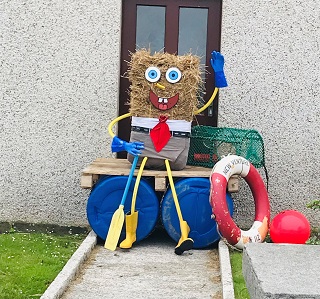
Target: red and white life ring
pixel 220 175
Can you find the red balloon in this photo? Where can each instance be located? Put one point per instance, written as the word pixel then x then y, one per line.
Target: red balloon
pixel 290 226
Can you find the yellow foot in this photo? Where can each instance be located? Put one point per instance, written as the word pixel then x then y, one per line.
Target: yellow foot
pixel 183 245
pixel 131 227
pixel 128 241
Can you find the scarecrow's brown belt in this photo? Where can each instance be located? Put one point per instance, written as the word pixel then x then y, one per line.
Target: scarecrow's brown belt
pixel 173 133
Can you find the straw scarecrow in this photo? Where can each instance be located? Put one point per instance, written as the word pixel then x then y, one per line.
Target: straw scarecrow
pixel 164 95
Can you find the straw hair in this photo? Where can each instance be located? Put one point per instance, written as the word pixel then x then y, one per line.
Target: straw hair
pixel 188 87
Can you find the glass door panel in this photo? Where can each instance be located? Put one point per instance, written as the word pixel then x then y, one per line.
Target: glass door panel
pixel 193 24
pixel 150 27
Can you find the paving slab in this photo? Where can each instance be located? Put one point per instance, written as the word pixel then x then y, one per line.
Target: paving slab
pixel 150 269
pixel 282 271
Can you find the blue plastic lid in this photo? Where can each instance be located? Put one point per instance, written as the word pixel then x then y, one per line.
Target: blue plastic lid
pixel 105 199
pixel 193 196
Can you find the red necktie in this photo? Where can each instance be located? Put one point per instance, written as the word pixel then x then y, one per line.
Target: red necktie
pixel 160 134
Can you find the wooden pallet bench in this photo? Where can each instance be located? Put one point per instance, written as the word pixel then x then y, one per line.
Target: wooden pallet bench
pixel 112 166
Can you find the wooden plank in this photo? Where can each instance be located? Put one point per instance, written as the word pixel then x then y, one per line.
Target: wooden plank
pixel 95 178
pixel 86 181
pixel 111 166
pixel 160 183
pixel 233 184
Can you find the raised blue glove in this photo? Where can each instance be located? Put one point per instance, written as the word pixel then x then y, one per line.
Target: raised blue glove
pixel 133 148
pixel 217 63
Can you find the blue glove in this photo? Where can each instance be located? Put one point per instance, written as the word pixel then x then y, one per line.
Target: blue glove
pixel 217 63
pixel 133 148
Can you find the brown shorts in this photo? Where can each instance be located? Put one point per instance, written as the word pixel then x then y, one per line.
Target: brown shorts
pixel 176 151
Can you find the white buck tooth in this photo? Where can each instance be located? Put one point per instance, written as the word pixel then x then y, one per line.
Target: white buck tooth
pixel 165 101
pixel 160 100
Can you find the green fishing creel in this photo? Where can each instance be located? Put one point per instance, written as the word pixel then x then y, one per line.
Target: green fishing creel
pixel 209 144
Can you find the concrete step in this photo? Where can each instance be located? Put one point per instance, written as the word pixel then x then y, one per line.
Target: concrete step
pixel 282 271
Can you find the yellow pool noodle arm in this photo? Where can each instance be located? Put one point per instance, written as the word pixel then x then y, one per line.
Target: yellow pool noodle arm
pixel 209 102
pixel 110 126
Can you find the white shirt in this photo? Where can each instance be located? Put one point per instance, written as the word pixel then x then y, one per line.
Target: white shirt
pixel 174 125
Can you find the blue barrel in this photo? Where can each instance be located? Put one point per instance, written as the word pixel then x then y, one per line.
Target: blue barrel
pixel 105 199
pixel 193 196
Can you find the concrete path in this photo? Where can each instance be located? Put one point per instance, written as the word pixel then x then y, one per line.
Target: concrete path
pixel 150 269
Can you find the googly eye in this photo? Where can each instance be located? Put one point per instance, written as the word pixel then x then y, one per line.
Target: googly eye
pixel 173 75
pixel 152 74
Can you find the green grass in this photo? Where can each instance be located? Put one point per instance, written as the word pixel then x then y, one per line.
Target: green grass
pixel 240 289
pixel 29 262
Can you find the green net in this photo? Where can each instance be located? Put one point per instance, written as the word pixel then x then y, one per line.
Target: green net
pixel 209 144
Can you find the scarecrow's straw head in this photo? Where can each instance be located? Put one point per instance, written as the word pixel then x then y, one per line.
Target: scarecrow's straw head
pixel 164 84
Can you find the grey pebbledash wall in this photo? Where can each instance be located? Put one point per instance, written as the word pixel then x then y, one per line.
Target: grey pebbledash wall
pixel 59 90
pixel 272 51
pixel 59 79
